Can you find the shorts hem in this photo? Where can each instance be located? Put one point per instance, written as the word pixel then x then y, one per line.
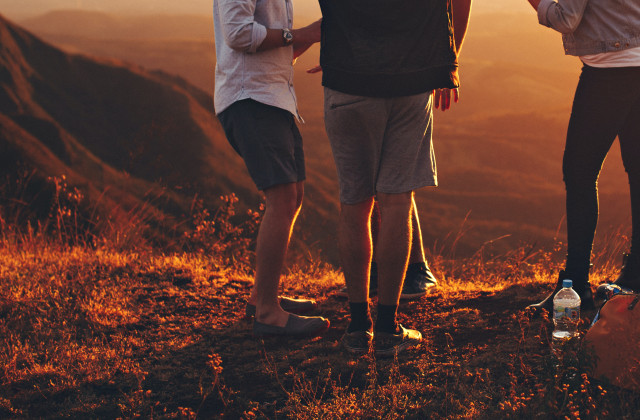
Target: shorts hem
pixel 279 182
pixel 358 200
pixel 392 190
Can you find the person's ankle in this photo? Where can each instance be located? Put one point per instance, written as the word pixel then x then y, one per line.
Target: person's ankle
pixel 386 319
pixel 272 316
pixel 389 329
pixel 360 317
pixel 360 326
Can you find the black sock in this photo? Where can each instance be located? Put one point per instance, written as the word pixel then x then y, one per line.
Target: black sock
pixel 360 317
pixel 386 320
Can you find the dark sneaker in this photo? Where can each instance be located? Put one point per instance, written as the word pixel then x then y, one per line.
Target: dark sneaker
pixel 606 291
pixel 417 282
pixel 582 288
pixel 357 342
pixel 629 277
pixel 297 326
pixel 373 283
pixel 291 305
pixel 387 344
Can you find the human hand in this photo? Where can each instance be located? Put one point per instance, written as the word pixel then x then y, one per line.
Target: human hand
pixel 443 98
pixel 316 69
pixel 305 37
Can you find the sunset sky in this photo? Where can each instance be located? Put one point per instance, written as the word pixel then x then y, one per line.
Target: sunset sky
pixel 22 8
pixel 516 94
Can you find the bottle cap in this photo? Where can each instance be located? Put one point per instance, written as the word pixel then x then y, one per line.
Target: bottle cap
pixel 567 283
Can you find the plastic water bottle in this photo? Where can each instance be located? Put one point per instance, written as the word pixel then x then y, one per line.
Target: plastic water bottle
pixel 566 314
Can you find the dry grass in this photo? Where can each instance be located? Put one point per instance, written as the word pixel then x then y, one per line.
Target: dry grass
pixel 93 331
pixel 96 333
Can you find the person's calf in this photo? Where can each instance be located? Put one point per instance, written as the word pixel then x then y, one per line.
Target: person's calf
pixel 394 243
pixel 354 242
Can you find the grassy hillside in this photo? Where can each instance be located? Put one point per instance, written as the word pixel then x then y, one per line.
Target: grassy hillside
pixel 100 323
pixel 499 150
pixel 100 333
pixel 133 142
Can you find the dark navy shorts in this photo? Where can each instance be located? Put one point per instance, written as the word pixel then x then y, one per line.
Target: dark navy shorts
pixel 268 140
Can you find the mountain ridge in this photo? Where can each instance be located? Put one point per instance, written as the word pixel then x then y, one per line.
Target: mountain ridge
pixel 112 126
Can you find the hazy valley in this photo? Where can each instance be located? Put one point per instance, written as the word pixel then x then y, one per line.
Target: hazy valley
pixel 499 150
pixel 107 126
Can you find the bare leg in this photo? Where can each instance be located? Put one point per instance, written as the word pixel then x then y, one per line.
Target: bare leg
pixel 417 247
pixel 394 243
pixel 354 241
pixel 283 204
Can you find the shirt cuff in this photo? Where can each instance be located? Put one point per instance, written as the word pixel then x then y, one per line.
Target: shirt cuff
pixel 543 10
pixel 258 34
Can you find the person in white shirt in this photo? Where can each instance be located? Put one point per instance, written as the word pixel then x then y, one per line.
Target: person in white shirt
pixel 256 105
pixel 605 35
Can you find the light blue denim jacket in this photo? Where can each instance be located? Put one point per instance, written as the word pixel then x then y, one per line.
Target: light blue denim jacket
pixel 593 26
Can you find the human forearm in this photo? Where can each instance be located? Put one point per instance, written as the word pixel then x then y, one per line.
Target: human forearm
pixel 461 10
pixel 272 40
pixel 303 38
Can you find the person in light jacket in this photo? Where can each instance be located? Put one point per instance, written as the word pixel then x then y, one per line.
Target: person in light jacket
pixel 605 35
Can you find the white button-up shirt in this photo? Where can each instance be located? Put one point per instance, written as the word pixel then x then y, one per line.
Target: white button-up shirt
pixel 242 72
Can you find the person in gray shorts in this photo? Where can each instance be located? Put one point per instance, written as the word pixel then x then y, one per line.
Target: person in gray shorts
pixel 256 105
pixel 381 61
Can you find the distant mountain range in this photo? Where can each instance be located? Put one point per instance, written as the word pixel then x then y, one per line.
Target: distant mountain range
pixel 122 133
pixel 103 25
pixel 26 8
pixel 499 150
pixel 303 8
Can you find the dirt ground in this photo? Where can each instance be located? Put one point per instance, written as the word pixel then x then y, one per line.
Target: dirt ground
pixel 131 337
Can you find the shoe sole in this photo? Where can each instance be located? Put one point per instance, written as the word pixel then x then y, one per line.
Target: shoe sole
pixel 412 296
pixel 403 296
pixel 397 349
pixel 250 313
pixel 308 334
pixel 342 294
pixel 358 351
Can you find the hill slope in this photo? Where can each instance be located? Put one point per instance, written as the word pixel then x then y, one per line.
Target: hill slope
pixel 499 150
pixel 110 126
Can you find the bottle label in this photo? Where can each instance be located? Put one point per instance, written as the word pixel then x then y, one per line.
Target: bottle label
pixel 560 312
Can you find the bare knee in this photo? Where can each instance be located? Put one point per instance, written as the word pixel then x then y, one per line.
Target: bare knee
pixel 395 202
pixel 283 200
pixel 299 195
pixel 357 214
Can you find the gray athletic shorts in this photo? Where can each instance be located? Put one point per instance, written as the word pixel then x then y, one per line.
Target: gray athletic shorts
pixel 268 140
pixel 380 144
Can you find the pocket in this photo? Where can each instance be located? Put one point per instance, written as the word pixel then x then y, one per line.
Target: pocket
pixel 345 104
pixel 337 99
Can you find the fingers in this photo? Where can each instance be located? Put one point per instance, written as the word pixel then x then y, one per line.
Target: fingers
pixel 443 98
pixel 316 69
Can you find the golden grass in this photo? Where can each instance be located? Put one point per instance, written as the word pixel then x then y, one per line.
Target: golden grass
pixel 104 332
pixel 99 333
